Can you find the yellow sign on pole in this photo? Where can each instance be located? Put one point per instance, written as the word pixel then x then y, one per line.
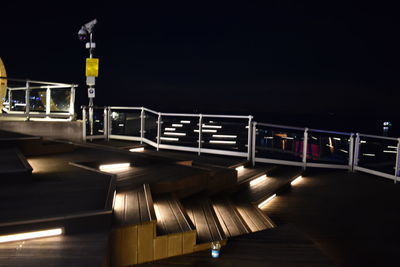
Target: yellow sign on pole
pixel 92 67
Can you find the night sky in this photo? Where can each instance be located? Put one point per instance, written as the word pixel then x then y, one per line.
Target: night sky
pixel 277 57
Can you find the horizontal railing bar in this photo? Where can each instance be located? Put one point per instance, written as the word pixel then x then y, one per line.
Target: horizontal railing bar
pixel 278 161
pixel 38 87
pixel 128 108
pixel 180 114
pixel 377 173
pixel 325 165
pixel 227 116
pixel 328 132
pixel 379 137
pixel 280 126
pixel 150 110
pixel 35 115
pixel 38 82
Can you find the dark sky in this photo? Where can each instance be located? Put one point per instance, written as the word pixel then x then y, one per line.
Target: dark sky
pixel 279 56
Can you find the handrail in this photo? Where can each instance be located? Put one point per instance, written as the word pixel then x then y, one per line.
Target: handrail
pixel 329 132
pixel 38 82
pixel 378 137
pixel 281 126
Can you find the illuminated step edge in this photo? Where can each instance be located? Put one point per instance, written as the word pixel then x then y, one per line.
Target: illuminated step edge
pixel 206 131
pixel 31 235
pixel 114 167
pixel 137 149
pixel 239 168
pixel 265 202
pixel 174 134
pixel 258 180
pixel 212 126
pixel 185 122
pixel 222 142
pixel 177 125
pixel 295 181
pixel 170 129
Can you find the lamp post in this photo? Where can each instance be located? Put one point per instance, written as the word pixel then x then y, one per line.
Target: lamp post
pixel 92 66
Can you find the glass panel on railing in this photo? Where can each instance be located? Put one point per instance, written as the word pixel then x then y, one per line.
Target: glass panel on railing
pixel 60 99
pixel 378 154
pixel 150 126
pixel 225 134
pixel 37 100
pixel 180 131
pixel 328 148
pixel 98 121
pixel 125 122
pixel 281 144
pixel 17 100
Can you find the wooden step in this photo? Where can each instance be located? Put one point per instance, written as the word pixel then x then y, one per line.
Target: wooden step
pixel 249 173
pixel 176 234
pixel 229 218
pixel 277 179
pixel 14 168
pixel 205 220
pixel 254 218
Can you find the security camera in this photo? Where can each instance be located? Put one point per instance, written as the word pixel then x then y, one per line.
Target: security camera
pixel 86 29
pixel 82 34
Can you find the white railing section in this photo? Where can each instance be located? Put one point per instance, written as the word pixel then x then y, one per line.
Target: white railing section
pixel 233 135
pixel 38 100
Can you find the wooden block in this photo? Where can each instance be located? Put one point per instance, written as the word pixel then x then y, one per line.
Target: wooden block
pixel 160 247
pixel 129 236
pixel 116 245
pixel 174 244
pixel 188 241
pixel 145 242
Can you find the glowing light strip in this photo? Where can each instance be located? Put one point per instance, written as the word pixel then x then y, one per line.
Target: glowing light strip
pixel 121 125
pixel 389 151
pixel 174 134
pixel 114 167
pixel 177 125
pixel 170 129
pixel 313 137
pixel 337 138
pixel 206 131
pixel 186 122
pixel 224 136
pixel 363 142
pixel 212 126
pixel 239 168
pixel 262 204
pixel 328 145
pixel 295 181
pixel 394 147
pixel 169 138
pixel 137 149
pixel 344 151
pixel 289 138
pixel 368 155
pixel 258 180
pixel 269 137
pixel 222 142
pixel 31 235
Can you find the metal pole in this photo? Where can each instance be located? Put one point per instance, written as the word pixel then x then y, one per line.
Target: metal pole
pixel 27 102
pixel 84 124
pixel 253 147
pixel 249 138
pixel 72 103
pixel 200 130
pixel 109 124
pixel 356 150
pixel 305 145
pixel 351 153
pixel 91 98
pixel 142 117
pixel 48 101
pixel 397 171
pixel 105 123
pixel 158 131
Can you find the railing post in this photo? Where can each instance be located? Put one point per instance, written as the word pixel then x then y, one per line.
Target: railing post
pixel 351 153
pixel 48 101
pixel 109 123
pixel 83 123
pixel 72 103
pixel 305 145
pixel 397 170
pixel 105 123
pixel 200 130
pixel 158 131
pixel 356 151
pixel 142 117
pixel 27 103
pixel 249 135
pixel 253 144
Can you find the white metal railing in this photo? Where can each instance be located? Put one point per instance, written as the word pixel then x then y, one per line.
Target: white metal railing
pixel 37 100
pixel 236 135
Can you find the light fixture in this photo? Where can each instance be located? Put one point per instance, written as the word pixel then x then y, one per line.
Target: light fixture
pixel 137 149
pixel 258 180
pixel 31 235
pixel 224 136
pixel 115 167
pixel 186 122
pixel 222 142
pixel 177 125
pixel 170 129
pixel 206 131
pixel 169 138
pixel 239 168
pixel 262 204
pixel 212 126
pixel 174 134
pixel 295 181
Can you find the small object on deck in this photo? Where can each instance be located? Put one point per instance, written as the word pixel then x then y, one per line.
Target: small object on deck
pixel 215 248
